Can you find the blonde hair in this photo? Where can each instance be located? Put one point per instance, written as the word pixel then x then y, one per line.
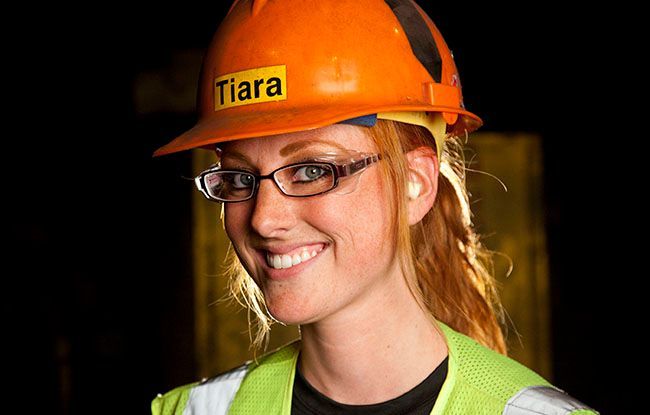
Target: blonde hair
pixel 446 267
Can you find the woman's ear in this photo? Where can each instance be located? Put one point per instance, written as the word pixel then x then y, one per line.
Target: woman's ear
pixel 422 182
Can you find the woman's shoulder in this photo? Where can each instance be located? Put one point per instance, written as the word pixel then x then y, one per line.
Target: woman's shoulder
pixel 210 395
pixel 482 366
pixel 484 378
pixel 214 395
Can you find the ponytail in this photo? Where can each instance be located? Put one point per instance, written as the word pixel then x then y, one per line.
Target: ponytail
pixel 447 268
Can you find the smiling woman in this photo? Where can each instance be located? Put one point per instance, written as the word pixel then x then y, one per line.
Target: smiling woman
pixel 345 203
pixel 346 229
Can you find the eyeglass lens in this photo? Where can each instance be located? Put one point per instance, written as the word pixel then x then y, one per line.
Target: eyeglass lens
pixel 296 180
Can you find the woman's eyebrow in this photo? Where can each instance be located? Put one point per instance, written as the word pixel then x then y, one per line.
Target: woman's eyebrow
pixel 286 150
pixel 235 155
pixel 299 145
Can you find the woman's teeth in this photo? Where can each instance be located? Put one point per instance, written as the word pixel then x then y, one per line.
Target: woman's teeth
pixel 287 261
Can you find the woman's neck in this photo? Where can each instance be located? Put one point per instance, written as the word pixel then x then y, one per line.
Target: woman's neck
pixel 372 351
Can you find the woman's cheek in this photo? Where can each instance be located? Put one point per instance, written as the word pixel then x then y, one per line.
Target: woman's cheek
pixel 234 222
pixel 235 228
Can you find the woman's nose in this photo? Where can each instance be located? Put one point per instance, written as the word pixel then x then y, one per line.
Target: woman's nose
pixel 273 212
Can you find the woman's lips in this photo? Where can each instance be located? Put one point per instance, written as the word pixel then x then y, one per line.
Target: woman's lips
pixel 271 253
pixel 293 257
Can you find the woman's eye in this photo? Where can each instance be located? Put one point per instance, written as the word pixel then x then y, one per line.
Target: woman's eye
pixel 310 173
pixel 242 180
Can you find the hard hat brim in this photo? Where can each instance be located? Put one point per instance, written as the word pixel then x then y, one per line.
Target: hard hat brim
pixel 213 130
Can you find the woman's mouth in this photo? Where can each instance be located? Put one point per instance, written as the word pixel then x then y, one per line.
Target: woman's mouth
pixel 294 257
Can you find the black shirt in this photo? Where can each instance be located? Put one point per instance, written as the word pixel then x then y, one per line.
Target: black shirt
pixel 418 401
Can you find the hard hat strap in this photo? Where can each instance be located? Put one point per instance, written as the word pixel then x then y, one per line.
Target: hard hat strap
pixel 432 121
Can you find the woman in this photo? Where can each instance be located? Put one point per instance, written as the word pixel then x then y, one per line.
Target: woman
pixel 337 126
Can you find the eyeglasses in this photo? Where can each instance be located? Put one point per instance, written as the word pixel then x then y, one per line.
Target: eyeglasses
pixel 303 179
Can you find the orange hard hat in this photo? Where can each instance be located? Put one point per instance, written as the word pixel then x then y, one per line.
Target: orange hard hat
pixel 280 66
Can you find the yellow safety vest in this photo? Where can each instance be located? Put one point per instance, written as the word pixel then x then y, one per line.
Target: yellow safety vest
pixel 479 381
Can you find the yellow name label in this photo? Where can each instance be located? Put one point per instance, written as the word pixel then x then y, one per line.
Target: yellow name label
pixel 250 87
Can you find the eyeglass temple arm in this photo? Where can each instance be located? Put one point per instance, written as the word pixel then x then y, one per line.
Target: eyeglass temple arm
pixel 356 166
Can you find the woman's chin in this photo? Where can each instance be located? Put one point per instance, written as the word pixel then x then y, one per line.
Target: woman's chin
pixel 291 314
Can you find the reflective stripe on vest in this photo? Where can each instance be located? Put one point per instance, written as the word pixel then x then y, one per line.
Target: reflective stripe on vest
pixel 543 400
pixel 215 395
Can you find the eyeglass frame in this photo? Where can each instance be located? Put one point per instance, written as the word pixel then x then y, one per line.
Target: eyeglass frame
pixel 338 170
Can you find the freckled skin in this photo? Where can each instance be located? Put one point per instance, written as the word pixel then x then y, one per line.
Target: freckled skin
pixel 357 269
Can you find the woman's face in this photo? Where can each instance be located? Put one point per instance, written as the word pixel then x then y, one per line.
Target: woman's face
pixel 340 240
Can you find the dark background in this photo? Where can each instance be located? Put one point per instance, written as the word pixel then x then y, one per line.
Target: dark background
pixel 97 291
